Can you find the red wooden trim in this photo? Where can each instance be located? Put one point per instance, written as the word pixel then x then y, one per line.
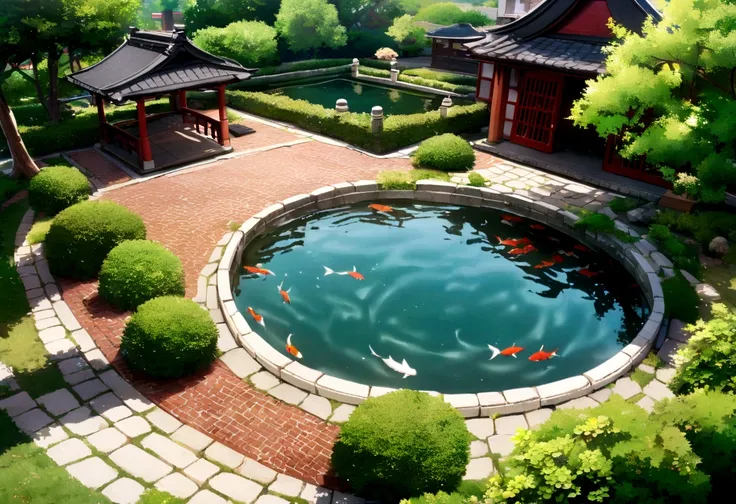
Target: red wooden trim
pixel 637 169
pixel 124 139
pixel 589 20
pixel 145 144
pixel 101 117
pixel 210 126
pixel 532 109
pixel 498 104
pixel 224 139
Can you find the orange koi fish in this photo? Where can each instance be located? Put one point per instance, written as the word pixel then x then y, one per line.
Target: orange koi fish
pixel 354 273
pixel 258 270
pixel 581 248
pixel 510 220
pixel 544 264
pixel 542 355
pixel 524 250
pixel 538 227
pixel 258 318
pixel 506 352
pixel 284 293
pixel 292 349
pixel 557 258
pixel 587 273
pixel 380 208
pixel 513 242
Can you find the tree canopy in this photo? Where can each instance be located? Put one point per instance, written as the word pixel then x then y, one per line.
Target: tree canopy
pixel 199 14
pixel 407 34
pixel 250 43
pixel 671 93
pixel 309 25
pixel 447 13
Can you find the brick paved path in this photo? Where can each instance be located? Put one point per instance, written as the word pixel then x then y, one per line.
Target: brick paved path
pixel 188 212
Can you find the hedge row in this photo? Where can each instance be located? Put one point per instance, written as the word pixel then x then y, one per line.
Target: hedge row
pixel 398 130
pixel 419 81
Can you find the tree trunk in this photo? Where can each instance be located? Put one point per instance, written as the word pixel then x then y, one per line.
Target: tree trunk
pixel 315 53
pixel 54 106
pixel 37 84
pixel 23 164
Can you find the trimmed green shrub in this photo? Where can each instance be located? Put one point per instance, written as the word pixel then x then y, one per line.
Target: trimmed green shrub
pixel 614 453
pixel 621 205
pixel 398 130
pixel 57 187
pixel 168 337
pixel 596 222
pixel 402 444
pixel 437 75
pixel 476 179
pixel 703 226
pixel 683 256
pixel 138 270
pixel 658 232
pixel 447 13
pixel 8 187
pixel 445 152
pixel 82 235
pixel 250 43
pixel 680 299
pixel 407 180
pixel 298 66
pixel 419 81
pixel 708 360
pixel 463 495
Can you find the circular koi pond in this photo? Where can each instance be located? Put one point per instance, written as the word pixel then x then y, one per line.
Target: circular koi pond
pixel 436 297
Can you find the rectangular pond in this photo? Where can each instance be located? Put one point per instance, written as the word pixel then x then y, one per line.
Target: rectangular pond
pixel 362 96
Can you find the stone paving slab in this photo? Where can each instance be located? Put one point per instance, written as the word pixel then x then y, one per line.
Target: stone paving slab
pixel 257 471
pixel 207 497
pixel 59 349
pixel 510 424
pixel 169 451
pixel 264 380
pixel 201 471
pixel 33 420
pixel 110 407
pixel 223 455
pixel 192 438
pixel 286 485
pixel 342 413
pixel 92 472
pixel 49 435
pixel 316 495
pixel 626 388
pixel 68 451
pixel 123 491
pixel 271 499
pixel 17 404
pixel 658 390
pixel 580 403
pixel 480 427
pixel 72 365
pixel 79 376
pixel 288 393
pixel 501 444
pixel 177 485
pixel 163 421
pixel 82 422
pixel 478 449
pixel 479 469
pixel 317 406
pixel 133 426
pixel 58 402
pixel 537 417
pixel 90 388
pixel 236 487
pixel 125 391
pixel 240 362
pixel 139 463
pixel 107 440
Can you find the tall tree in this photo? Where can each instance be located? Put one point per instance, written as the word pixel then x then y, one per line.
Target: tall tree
pixel 310 24
pixel 671 93
pixel 199 14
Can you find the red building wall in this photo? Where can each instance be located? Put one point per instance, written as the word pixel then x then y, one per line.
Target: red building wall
pixel 590 20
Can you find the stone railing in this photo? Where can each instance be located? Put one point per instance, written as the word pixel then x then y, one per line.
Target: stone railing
pixel 470 405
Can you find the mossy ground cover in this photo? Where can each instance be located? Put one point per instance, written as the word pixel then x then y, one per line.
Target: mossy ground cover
pixel 398 179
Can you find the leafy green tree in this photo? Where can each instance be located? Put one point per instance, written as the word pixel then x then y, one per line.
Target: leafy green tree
pixel 310 24
pixel 671 93
pixel 447 13
pixel 199 14
pixel 410 37
pixel 250 43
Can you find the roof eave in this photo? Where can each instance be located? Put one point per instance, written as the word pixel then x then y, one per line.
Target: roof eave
pixel 119 98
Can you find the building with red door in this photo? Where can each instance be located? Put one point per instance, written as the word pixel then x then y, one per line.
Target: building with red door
pixel 532 69
pixel 153 65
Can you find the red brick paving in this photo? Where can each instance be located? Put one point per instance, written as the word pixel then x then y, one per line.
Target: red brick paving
pixel 99 167
pixel 188 212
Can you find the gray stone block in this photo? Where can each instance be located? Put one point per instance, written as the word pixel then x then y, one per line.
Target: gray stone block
pixel 563 390
pixel 163 421
pixel 177 485
pixel 58 402
pixel 133 427
pixel 140 463
pixel 174 454
pixel 480 427
pixel 466 404
pixel 192 438
pixel 124 491
pixel 32 421
pixel 201 471
pixel 223 455
pixel 110 407
pixel 510 424
pixel 107 440
pixel 609 371
pixel 68 451
pixel 317 406
pixel 92 472
pixel 479 469
pixel 286 485
pixel 82 422
pixel 236 487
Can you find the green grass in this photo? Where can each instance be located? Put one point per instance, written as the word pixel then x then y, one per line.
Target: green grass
pixel 652 359
pixel 153 496
pixel 39 230
pixel 476 179
pixel 8 187
pixel 396 179
pixel 641 377
pixel 635 399
pixel 233 118
pixel 620 205
pixel 13 303
pixel 29 476
pixel 680 299
pixel 56 161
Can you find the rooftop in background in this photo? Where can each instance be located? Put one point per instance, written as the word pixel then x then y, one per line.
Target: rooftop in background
pixel 460 31
pixel 563 34
pixel 156 63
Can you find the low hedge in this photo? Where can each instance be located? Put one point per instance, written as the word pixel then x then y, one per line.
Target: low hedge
pixel 82 235
pixel 402 444
pixel 138 270
pixel 419 81
pixel 298 66
pixel 398 130
pixel 169 337
pixel 445 152
pixel 436 75
pixel 57 187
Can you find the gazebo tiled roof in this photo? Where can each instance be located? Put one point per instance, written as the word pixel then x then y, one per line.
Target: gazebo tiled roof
pixel 154 63
pixel 460 31
pixel 534 39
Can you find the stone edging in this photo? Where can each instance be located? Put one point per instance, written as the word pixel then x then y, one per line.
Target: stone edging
pixel 470 405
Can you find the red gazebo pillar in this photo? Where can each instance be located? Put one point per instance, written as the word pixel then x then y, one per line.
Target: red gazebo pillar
pixel 101 117
pixel 145 156
pixel 224 126
pixel 498 100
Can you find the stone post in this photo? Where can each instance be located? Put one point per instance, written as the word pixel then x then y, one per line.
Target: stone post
pixel 444 107
pixel 354 68
pixel 377 119
pixel 394 72
pixel 341 105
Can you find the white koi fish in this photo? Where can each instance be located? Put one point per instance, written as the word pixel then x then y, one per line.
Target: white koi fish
pixel 354 273
pixel 494 352
pixel 402 368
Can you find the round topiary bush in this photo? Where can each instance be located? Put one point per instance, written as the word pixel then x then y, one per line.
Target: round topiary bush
pixel 169 337
pixel 402 444
pixel 56 188
pixel 138 270
pixel 446 152
pixel 82 235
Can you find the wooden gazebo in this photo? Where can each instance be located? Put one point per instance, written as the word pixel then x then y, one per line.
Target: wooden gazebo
pixel 533 69
pixel 448 51
pixel 150 65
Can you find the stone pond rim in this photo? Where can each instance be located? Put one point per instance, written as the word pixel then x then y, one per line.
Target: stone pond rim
pixel 472 404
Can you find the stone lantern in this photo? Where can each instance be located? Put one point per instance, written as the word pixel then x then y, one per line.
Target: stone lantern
pixel 444 107
pixel 377 119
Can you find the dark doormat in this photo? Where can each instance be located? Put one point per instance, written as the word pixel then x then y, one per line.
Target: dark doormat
pixel 239 130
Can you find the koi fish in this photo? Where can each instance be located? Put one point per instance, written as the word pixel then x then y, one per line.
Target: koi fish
pixel 284 293
pixel 524 250
pixel 544 264
pixel 557 258
pixel 292 349
pixel 511 218
pixel 581 248
pixel 402 368
pixel 542 355
pixel 506 352
pixel 354 273
pixel 514 242
pixel 568 254
pixel 258 318
pixel 538 227
pixel 258 270
pixel 587 273
pixel 380 208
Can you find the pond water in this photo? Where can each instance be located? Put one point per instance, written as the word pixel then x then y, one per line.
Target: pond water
pixel 438 288
pixel 362 97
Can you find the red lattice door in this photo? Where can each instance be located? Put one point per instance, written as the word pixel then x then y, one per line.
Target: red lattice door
pixel 537 110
